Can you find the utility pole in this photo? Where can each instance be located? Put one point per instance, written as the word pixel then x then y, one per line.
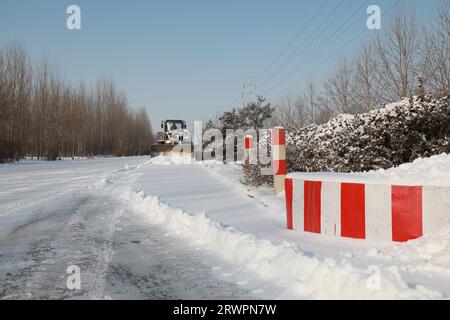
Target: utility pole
pixel 248 91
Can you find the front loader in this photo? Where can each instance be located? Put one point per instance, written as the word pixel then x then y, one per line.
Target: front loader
pixel 174 136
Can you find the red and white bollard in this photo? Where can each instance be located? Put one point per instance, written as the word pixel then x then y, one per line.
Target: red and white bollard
pixel 279 158
pixel 248 145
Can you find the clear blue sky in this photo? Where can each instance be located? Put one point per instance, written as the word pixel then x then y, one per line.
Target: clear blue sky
pixel 189 58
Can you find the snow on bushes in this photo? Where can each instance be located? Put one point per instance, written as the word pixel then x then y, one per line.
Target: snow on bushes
pixel 396 134
pixel 252 176
pixel 253 173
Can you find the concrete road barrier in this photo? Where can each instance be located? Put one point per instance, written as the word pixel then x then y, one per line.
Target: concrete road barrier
pixel 346 206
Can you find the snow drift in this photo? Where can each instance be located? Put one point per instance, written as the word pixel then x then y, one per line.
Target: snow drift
pixel 293 272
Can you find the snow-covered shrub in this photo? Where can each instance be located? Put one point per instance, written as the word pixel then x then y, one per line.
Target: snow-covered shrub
pixel 252 176
pixel 396 134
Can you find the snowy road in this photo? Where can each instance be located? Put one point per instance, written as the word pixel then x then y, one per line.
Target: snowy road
pixel 57 215
pixel 166 228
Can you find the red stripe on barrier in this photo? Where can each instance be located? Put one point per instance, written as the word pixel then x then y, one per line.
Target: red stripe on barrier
pixel 289 186
pixel 353 211
pixel 312 205
pixel 247 143
pixel 406 213
pixel 279 167
pixel 278 137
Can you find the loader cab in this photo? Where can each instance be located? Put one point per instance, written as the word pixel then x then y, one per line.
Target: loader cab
pixel 173 125
pixel 173 132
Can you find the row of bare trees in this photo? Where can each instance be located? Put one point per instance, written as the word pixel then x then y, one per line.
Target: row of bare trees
pixel 42 116
pixel 384 70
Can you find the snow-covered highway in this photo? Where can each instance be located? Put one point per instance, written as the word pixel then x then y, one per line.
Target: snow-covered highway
pixel 168 228
pixel 55 215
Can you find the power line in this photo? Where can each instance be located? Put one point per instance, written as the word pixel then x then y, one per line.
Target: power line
pixel 323 61
pixel 298 34
pixel 313 36
pixel 300 66
pixel 334 54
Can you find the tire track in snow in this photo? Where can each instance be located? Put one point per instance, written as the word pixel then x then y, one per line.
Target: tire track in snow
pixel 119 255
pixel 35 257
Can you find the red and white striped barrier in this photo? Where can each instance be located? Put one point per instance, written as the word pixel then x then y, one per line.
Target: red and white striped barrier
pixel 279 158
pixel 345 208
pixel 248 145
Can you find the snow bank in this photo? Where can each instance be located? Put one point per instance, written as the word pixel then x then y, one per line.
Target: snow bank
pixel 297 273
pixel 434 171
pixel 172 159
pixel 428 255
pixel 177 159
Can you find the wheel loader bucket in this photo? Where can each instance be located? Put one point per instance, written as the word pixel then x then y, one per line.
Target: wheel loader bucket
pixel 163 149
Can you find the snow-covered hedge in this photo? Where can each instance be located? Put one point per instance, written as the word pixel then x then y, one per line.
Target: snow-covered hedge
pixel 396 134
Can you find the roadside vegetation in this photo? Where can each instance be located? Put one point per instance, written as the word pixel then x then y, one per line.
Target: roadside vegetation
pixel 341 123
pixel 43 116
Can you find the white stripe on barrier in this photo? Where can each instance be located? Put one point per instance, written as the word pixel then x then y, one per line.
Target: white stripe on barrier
pixel 279 152
pixel 298 218
pixel 435 208
pixel 278 158
pixel 378 212
pixel 331 212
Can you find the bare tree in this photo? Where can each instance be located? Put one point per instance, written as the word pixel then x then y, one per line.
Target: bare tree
pixel 285 113
pixel 384 70
pixel 40 115
pixel 399 52
pixel 339 88
pixel 367 83
pixel 15 75
pixel 310 99
pixel 435 65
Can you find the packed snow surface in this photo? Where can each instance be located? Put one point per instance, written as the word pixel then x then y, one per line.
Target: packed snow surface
pixel 171 227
